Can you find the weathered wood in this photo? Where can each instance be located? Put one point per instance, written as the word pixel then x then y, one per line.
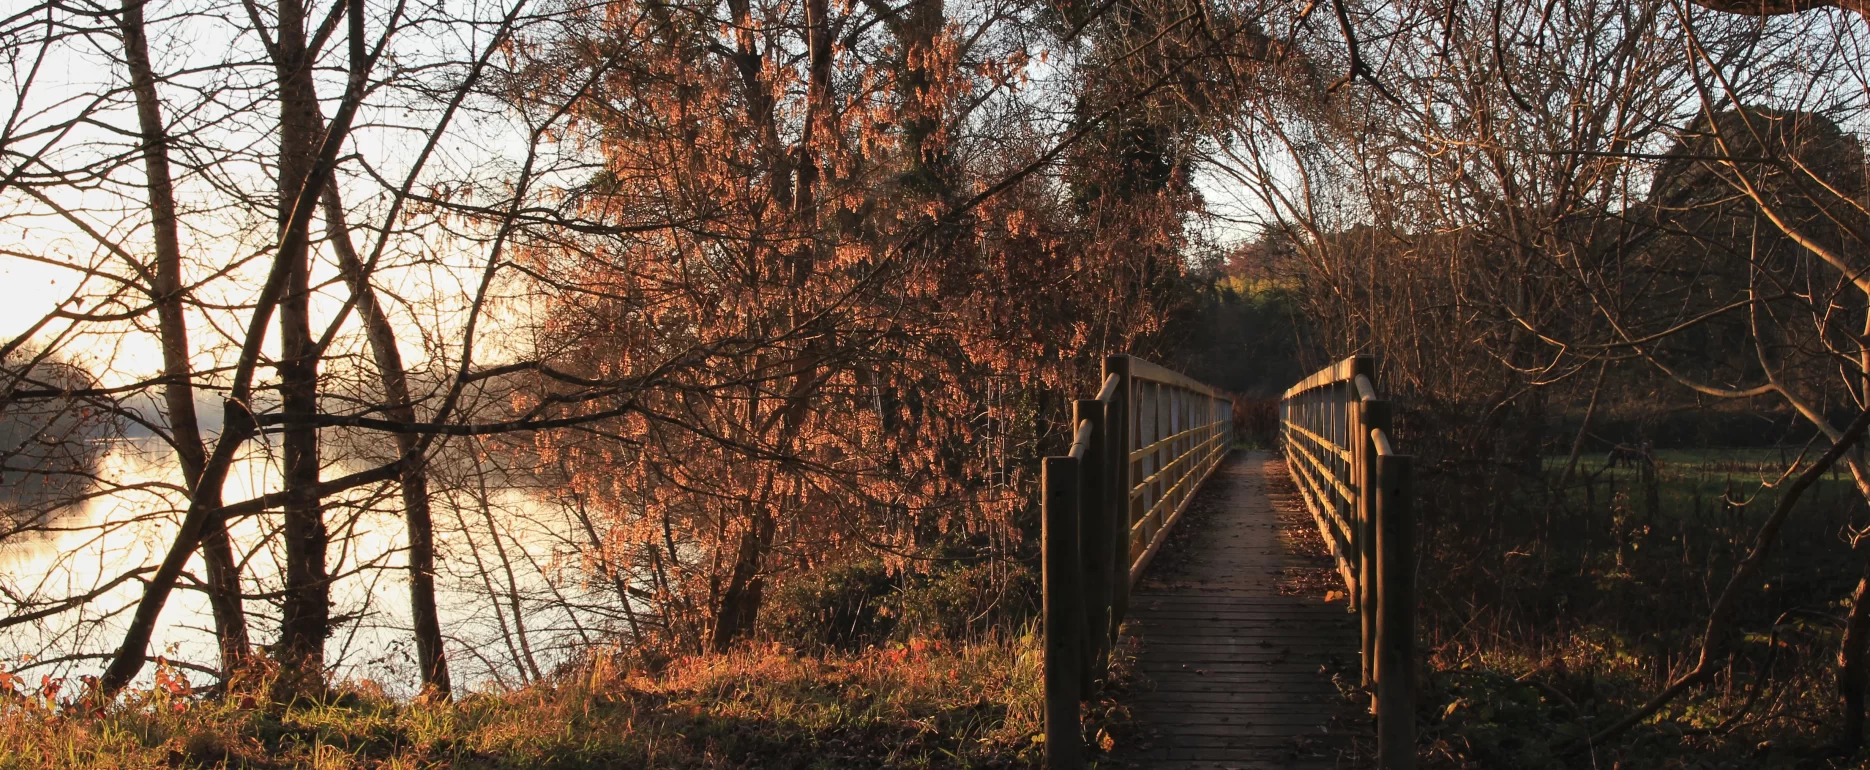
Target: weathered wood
pixel 1142 369
pixel 1233 667
pixel 1187 693
pixel 1243 700
pixel 1064 614
pixel 1140 451
pixel 1330 529
pixel 1094 533
pixel 1117 462
pixel 1175 498
pixel 1375 415
pixel 1337 372
pixel 1336 429
pixel 1396 696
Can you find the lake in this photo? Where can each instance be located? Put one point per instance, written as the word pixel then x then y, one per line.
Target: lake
pixel 514 586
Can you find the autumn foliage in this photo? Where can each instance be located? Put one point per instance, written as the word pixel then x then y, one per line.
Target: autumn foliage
pixel 822 245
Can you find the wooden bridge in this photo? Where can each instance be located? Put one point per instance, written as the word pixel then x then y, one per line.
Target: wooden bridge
pixel 1154 532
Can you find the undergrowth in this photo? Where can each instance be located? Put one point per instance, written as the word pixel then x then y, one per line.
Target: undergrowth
pixel 1546 621
pixel 916 704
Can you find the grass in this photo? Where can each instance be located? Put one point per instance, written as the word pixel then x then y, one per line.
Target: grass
pixel 923 704
pixel 1559 616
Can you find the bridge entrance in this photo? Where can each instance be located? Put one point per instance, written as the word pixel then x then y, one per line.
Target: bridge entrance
pixel 1237 647
pixel 1237 672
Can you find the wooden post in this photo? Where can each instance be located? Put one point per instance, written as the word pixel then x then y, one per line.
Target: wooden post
pixel 1064 614
pixel 1285 417
pixel 1145 407
pixel 1210 419
pixel 1164 428
pixel 1177 450
pixel 1330 409
pixel 1338 405
pixel 1396 706
pixel 1375 416
pixel 1217 406
pixel 1122 430
pixel 1094 532
pixel 1223 409
pixel 1184 457
pixel 1363 518
pixel 1227 425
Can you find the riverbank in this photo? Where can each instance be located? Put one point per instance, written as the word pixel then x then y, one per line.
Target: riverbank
pixel 920 704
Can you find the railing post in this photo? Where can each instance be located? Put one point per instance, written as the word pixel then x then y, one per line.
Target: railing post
pixel 1172 451
pixel 1122 429
pixel 1363 479
pixel 1064 614
pixel 1221 434
pixel 1339 410
pixel 1145 406
pixel 1333 507
pixel 1227 414
pixel 1291 415
pixel 1396 696
pixel 1160 396
pixel 1375 417
pixel 1094 532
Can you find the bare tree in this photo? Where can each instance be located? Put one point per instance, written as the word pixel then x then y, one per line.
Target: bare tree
pixel 783 301
pixel 1515 202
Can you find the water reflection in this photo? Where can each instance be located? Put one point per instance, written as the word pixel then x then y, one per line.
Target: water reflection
pixel 514 601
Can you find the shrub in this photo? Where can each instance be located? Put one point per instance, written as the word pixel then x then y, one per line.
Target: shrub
pixel 966 601
pixel 839 607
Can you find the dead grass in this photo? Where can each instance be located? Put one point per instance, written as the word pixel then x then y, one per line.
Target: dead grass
pixel 921 705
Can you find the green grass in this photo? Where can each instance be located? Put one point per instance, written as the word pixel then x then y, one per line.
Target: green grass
pixel 921 704
pixel 1693 482
pixel 1551 618
pixel 1702 459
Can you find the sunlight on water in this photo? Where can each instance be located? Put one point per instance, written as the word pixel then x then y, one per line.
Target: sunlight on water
pixel 91 545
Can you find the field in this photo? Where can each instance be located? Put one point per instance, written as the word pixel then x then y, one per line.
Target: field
pixel 1551 621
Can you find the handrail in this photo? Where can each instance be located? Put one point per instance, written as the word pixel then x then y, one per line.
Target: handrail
pixel 1337 435
pixel 1139 451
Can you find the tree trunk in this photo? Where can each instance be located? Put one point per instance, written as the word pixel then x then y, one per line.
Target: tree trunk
pixel 523 655
pixel 1851 676
pixel 230 620
pixel 794 175
pixel 917 26
pixel 740 603
pixel 238 421
pixel 306 616
pixel 430 654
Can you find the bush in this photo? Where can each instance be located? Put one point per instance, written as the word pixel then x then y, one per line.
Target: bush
pixel 839 607
pixel 967 601
pixel 1256 421
pixel 863 603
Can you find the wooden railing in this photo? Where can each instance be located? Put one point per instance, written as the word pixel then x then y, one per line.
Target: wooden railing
pixel 1338 446
pixel 1139 451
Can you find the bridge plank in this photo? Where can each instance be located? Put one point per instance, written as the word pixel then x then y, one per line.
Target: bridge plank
pixel 1235 660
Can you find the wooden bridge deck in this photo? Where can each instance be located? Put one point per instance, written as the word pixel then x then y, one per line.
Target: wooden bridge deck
pixel 1237 645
